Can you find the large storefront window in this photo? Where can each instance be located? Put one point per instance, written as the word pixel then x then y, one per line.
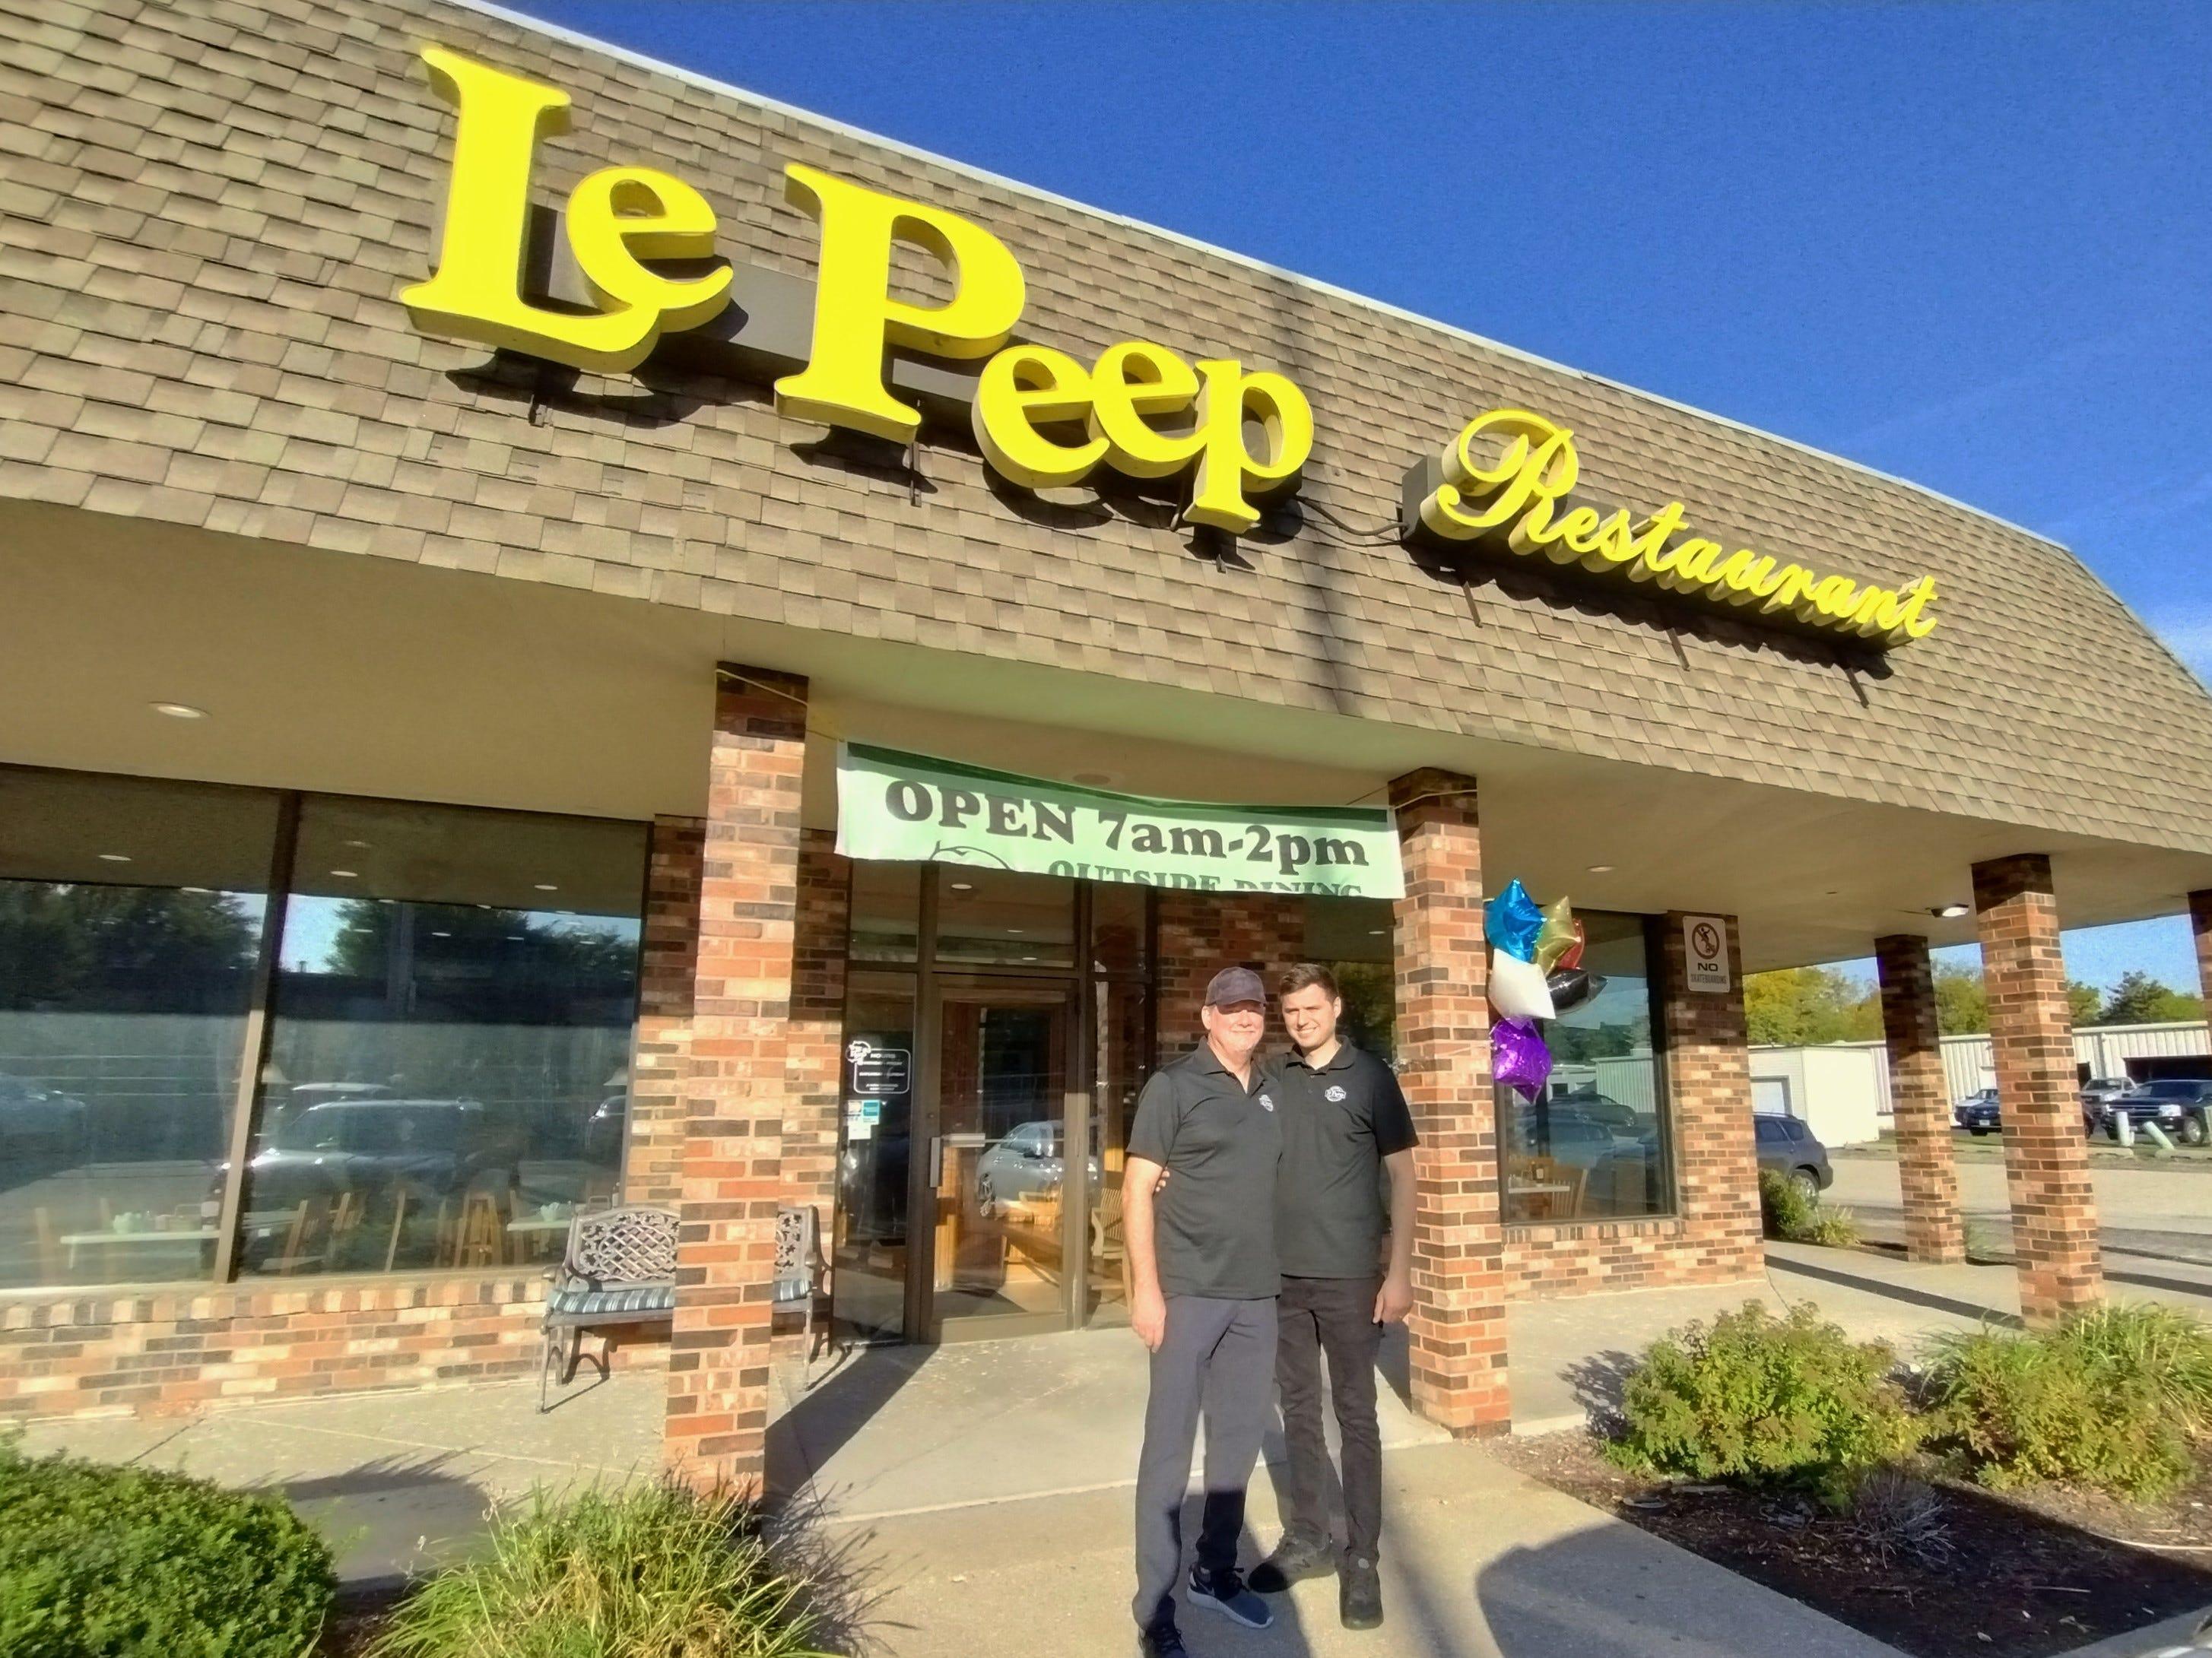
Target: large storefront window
pixel 449 1043
pixel 1595 1145
pixel 444 1028
pixel 130 915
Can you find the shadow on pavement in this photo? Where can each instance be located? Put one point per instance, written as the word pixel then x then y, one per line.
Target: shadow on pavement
pixel 1600 1381
pixel 832 1408
pixel 392 1519
pixel 1878 1286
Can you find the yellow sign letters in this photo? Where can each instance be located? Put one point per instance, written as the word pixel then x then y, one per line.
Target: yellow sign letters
pixel 1040 418
pixel 617 217
pixel 1509 476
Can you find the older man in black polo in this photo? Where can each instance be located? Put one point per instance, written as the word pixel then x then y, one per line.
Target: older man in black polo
pixel 1201 1251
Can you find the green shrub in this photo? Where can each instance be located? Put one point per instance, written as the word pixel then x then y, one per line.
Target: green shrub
pixel 1788 1403
pixel 2110 1399
pixel 135 1562
pixel 1785 1211
pixel 656 1571
pixel 1836 1229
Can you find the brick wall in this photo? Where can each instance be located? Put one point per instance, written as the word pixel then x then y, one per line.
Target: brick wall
pixel 1201 933
pixel 660 1055
pixel 174 1350
pixel 1919 1100
pixel 2054 1210
pixel 1457 1333
pixel 739 1082
pixel 814 1044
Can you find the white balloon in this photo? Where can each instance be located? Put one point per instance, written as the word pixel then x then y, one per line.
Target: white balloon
pixel 1518 989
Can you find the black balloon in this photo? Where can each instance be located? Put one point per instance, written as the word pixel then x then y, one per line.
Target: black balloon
pixel 1572 987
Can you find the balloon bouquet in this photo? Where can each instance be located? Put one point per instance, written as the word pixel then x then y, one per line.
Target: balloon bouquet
pixel 1535 974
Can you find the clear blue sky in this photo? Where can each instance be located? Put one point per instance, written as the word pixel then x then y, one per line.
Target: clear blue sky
pixel 1968 244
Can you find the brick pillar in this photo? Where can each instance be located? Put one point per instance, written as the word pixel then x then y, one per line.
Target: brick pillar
pixel 1457 1333
pixel 739 1082
pixel 660 1051
pixel 1200 933
pixel 2200 924
pixel 814 1051
pixel 1708 1070
pixel 2054 1211
pixel 1917 1100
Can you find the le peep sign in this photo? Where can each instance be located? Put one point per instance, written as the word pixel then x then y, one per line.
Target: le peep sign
pixel 912 808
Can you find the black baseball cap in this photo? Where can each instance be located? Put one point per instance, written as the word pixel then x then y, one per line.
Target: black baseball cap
pixel 1236 984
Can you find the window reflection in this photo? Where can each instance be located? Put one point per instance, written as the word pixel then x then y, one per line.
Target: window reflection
pixel 449 1041
pixel 993 916
pixel 1594 1145
pixel 130 915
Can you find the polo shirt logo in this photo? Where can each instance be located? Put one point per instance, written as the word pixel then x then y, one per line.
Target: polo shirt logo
pixel 1335 1094
pixel 1267 1102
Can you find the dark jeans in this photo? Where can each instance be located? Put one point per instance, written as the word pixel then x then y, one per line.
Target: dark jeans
pixel 1336 1316
pixel 1215 1359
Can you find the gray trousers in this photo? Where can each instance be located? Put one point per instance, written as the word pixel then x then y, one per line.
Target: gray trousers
pixel 1217 1357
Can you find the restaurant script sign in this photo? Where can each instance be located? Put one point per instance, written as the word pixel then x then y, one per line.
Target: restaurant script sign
pixel 912 808
pixel 1508 481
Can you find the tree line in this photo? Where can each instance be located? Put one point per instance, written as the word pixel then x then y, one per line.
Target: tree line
pixel 1801 1006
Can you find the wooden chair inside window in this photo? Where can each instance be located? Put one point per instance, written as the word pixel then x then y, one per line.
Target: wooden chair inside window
pixel 1545 1189
pixel 53 1260
pixel 306 1239
pixel 481 1238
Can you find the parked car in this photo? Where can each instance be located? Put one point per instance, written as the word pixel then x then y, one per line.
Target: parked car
pixel 39 1127
pixel 1599 1108
pixel 603 1131
pixel 435 1148
pixel 1025 1163
pixel 2175 1104
pixel 1565 1136
pixel 2100 1091
pixel 1789 1149
pixel 1978 1112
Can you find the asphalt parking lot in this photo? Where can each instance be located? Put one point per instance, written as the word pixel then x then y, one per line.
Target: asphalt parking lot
pixel 2155 1218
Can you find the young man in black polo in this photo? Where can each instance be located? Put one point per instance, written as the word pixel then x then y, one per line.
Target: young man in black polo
pixel 1201 1254
pixel 1345 1128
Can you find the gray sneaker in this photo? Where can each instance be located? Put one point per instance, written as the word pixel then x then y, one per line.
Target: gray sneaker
pixel 1225 1592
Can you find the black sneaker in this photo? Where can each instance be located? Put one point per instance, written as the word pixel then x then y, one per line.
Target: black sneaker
pixel 1161 1644
pixel 1295 1559
pixel 1359 1596
pixel 1226 1595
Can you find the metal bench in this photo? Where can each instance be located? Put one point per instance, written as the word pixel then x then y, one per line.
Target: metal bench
pixel 798 1263
pixel 619 1269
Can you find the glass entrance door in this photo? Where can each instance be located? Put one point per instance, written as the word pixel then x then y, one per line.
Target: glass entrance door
pixel 999 1199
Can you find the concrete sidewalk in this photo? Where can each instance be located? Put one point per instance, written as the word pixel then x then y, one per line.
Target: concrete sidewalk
pixel 1478 1563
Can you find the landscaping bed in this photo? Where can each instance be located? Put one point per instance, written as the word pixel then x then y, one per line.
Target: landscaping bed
pixel 2016 1574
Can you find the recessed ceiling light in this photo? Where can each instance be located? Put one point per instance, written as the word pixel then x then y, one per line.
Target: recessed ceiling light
pixel 114 857
pixel 963 886
pixel 179 710
pixel 1948 912
pixel 547 886
pixel 347 874
pixel 442 935
pixel 1015 932
pixel 1029 958
pixel 1600 869
pixel 1376 932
